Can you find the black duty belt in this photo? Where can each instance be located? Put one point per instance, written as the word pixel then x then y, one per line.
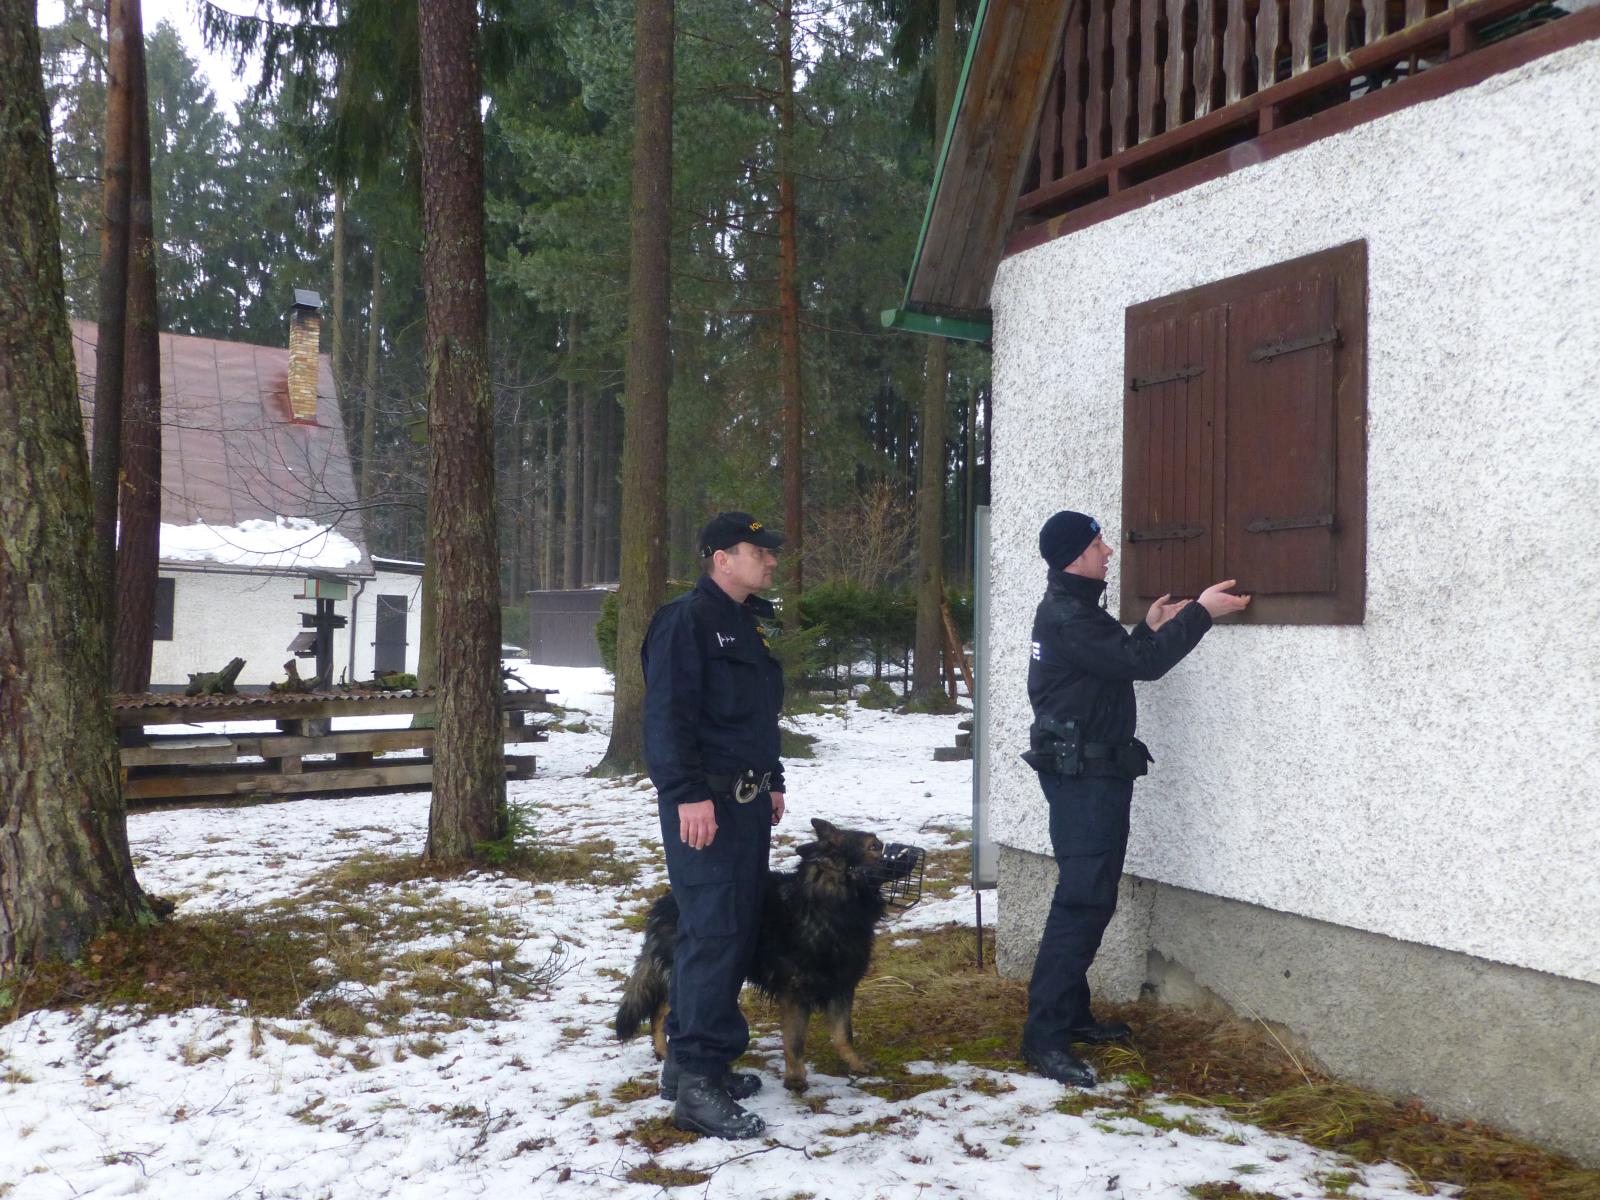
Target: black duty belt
pixel 744 787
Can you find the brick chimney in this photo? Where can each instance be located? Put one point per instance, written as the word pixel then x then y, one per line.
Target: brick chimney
pixel 305 338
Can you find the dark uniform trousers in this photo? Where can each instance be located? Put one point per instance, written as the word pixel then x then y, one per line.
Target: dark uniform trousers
pixel 719 891
pixel 1089 838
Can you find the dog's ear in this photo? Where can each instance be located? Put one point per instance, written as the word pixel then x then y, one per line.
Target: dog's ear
pixel 826 832
pixel 806 851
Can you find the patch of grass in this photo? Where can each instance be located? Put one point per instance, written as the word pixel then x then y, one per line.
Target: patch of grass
pixel 794 744
pixel 656 1134
pixel 1245 1069
pixel 654 1173
pixel 945 872
pixel 1227 1190
pixel 1168 1124
pixel 342 953
pixel 1339 1183
pixel 881 1125
pixel 643 1087
pixel 987 1086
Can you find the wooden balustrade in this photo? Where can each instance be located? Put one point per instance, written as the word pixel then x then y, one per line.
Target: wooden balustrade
pixel 1142 86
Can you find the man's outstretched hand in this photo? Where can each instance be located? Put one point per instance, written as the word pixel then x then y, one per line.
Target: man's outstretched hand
pixel 1163 610
pixel 1219 602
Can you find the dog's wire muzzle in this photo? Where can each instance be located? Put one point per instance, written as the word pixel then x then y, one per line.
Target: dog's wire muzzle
pixel 898 874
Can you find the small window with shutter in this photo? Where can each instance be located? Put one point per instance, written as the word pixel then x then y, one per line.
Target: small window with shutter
pixel 163 609
pixel 1244 442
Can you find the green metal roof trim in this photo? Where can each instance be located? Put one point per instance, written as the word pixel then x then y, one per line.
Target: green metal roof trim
pixel 904 317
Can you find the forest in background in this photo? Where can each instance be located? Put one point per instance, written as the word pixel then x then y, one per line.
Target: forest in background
pixel 314 183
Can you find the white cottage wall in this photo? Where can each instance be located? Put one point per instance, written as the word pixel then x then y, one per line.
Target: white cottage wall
pixel 1432 774
pixel 220 614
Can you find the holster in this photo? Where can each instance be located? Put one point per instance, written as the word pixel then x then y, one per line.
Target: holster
pixel 1055 748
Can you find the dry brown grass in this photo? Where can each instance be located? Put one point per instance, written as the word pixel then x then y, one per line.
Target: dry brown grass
pixel 356 924
pixel 927 1000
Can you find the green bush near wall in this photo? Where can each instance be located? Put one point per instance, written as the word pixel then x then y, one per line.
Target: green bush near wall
pixel 605 629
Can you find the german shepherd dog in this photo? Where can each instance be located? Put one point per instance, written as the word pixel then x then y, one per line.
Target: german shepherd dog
pixel 817 925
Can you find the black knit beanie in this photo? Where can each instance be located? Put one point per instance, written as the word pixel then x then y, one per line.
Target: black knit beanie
pixel 1065 536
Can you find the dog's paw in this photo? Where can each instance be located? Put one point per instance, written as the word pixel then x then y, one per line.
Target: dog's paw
pixel 795 1081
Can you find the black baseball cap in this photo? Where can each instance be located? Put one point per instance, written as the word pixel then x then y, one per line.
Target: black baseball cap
pixel 730 528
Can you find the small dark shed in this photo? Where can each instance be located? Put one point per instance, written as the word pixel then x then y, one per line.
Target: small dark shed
pixel 561 627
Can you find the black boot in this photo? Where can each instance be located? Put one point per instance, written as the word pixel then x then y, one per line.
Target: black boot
pixel 1100 1033
pixel 1061 1065
pixel 704 1106
pixel 740 1085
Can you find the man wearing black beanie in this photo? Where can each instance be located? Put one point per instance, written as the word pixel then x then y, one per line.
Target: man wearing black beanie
pixel 1080 683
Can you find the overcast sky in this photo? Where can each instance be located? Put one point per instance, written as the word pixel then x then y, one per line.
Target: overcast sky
pixel 184 15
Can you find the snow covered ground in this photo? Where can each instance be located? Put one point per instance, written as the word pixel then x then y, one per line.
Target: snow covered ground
pixel 212 1105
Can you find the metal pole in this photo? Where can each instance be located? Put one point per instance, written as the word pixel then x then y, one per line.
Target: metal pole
pixel 978 896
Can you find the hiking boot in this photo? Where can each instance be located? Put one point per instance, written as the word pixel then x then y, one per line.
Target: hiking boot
pixel 1101 1033
pixel 1061 1065
pixel 704 1106
pixel 740 1085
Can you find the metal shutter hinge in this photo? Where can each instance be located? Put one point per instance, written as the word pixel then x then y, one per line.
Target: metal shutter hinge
pixel 1140 382
pixel 1176 533
pixel 1273 524
pixel 1278 349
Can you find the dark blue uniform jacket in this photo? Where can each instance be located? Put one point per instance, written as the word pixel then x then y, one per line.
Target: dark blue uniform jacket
pixel 712 693
pixel 1084 662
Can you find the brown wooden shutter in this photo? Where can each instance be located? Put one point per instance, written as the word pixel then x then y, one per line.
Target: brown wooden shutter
pixel 1244 441
pixel 1279 514
pixel 1175 363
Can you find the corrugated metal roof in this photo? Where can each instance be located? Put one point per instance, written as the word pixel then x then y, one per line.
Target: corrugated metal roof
pixel 230 451
pixel 257 699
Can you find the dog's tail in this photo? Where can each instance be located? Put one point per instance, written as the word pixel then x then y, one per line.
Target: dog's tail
pixel 645 993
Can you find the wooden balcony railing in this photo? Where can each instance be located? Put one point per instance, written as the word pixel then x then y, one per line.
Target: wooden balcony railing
pixel 1145 86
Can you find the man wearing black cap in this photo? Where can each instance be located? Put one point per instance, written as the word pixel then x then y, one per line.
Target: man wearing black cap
pixel 1080 682
pixel 712 695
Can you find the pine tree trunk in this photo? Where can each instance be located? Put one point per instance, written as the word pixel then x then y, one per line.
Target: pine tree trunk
pixel 336 332
pixel 789 318
pixel 65 870
pixel 931 473
pixel 572 468
pixel 612 484
pixel 139 503
pixel 591 499
pixel 548 579
pixel 469 791
pixel 113 304
pixel 647 375
pixel 369 398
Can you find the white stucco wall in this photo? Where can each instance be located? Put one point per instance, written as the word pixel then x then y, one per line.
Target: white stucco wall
pixel 1433 774
pixel 217 615
pixel 387 583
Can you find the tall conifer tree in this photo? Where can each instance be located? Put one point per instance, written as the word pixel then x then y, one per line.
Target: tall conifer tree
pixel 469 790
pixel 65 869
